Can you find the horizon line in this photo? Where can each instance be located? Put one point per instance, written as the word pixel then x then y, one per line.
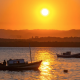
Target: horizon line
pixel 39 29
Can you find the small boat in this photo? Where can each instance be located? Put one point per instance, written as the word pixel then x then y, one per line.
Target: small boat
pixel 69 55
pixel 19 64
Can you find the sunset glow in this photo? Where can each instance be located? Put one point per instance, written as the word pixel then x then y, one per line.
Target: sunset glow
pixel 49 14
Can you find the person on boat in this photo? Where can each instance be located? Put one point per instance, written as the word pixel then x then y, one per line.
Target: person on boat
pixel 4 63
pixel 18 62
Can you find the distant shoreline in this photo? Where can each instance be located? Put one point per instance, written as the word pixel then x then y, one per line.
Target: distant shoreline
pixel 40 44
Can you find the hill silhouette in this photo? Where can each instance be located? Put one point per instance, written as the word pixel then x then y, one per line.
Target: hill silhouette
pixel 26 34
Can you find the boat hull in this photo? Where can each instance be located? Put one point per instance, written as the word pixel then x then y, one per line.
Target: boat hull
pixel 29 66
pixel 69 56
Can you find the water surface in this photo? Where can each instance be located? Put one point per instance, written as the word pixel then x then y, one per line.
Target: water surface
pixel 51 68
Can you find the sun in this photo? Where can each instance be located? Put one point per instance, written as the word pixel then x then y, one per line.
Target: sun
pixel 44 12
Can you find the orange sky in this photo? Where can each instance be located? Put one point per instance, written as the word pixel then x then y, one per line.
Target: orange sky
pixel 25 14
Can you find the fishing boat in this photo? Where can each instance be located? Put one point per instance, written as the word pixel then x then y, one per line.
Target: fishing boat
pixel 68 55
pixel 19 64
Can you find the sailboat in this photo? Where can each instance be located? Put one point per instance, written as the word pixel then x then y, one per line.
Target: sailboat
pixel 20 64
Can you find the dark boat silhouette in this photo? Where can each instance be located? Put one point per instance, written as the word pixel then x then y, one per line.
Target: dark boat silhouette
pixel 19 64
pixel 69 55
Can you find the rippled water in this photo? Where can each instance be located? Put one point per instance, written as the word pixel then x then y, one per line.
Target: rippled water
pixel 51 68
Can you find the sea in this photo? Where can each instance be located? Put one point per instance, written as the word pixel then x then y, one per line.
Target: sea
pixel 51 68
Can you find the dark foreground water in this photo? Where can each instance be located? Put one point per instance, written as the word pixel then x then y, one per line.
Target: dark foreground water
pixel 51 67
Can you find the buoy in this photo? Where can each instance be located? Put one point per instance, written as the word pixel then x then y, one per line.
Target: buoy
pixel 65 71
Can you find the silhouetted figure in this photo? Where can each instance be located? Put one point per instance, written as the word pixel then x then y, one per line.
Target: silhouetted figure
pixel 18 62
pixel 4 63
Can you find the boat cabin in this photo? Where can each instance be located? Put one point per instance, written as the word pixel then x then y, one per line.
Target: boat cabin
pixel 67 53
pixel 15 61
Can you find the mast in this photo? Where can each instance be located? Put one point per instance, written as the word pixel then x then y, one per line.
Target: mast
pixel 30 53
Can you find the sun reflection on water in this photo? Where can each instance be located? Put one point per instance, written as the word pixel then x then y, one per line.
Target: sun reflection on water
pixel 45 68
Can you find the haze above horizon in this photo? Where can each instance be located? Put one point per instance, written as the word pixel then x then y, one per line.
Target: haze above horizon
pixel 26 34
pixel 43 14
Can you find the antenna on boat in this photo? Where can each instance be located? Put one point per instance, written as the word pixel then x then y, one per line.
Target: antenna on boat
pixel 30 53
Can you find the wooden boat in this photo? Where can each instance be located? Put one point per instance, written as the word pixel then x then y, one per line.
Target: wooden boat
pixel 19 64
pixel 69 55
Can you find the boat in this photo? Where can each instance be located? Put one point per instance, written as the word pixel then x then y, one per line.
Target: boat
pixel 68 55
pixel 19 64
